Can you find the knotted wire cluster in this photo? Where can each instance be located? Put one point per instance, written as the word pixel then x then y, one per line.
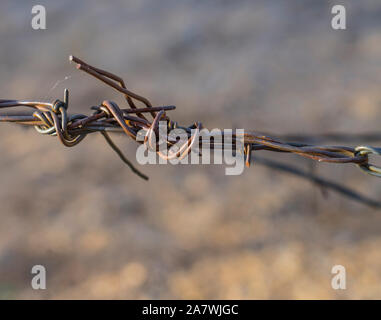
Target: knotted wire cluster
pixel 53 119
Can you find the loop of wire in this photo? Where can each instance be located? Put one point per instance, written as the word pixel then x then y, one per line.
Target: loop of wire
pixel 367 167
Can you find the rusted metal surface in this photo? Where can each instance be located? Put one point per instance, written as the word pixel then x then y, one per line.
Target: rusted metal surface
pixel 53 119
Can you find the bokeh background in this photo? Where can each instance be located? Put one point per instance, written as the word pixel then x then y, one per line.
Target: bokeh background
pixel 191 231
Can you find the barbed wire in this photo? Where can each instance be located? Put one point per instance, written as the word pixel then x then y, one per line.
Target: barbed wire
pixel 53 119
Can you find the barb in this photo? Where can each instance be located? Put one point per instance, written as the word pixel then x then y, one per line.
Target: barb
pixel 53 119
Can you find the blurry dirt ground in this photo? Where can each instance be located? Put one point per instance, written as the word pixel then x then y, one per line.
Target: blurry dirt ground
pixel 191 231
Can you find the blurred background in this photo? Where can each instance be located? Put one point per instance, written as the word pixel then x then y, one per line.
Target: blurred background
pixel 190 232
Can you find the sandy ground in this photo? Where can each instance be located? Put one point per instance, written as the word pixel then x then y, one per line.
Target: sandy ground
pixel 191 231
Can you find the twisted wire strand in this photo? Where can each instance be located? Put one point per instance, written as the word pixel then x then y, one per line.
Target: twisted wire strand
pixel 53 119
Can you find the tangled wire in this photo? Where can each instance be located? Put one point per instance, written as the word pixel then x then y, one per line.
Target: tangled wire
pixel 53 119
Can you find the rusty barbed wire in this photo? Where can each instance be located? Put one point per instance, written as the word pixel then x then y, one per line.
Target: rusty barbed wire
pixel 53 119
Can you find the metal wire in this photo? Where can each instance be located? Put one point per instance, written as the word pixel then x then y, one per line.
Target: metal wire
pixel 53 119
